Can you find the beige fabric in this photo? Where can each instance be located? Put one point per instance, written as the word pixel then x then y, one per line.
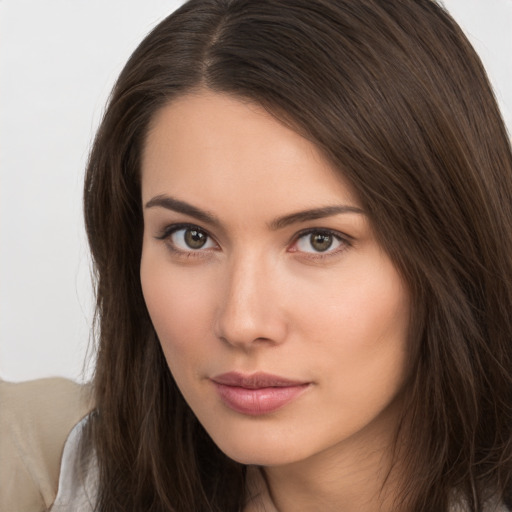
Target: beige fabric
pixel 35 420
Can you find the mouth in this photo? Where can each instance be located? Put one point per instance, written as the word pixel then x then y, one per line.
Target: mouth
pixel 257 394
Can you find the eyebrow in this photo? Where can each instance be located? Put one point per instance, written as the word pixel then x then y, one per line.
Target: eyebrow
pixel 170 203
pixel 176 205
pixel 313 214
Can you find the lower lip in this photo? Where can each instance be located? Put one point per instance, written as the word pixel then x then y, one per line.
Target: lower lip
pixel 257 402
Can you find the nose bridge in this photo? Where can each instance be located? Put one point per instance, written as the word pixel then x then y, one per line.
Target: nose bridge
pixel 249 309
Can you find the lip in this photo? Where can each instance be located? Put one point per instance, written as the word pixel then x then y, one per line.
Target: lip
pixel 257 394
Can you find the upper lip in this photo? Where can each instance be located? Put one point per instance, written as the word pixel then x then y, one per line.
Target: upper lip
pixel 255 380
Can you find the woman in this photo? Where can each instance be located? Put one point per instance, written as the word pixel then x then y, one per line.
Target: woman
pixel 299 213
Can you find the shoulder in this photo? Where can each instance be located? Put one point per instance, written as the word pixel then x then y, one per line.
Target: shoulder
pixel 35 420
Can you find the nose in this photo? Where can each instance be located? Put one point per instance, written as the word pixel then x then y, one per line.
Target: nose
pixel 250 309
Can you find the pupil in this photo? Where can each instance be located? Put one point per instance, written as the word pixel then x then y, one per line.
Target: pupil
pixel 321 241
pixel 195 239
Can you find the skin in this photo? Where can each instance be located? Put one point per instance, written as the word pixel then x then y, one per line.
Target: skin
pixel 260 297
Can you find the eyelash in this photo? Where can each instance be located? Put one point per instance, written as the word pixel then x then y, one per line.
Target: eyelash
pixel 173 228
pixel 345 241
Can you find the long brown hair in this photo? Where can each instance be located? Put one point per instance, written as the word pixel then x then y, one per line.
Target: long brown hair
pixel 396 98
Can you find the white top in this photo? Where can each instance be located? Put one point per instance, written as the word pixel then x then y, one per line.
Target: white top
pixel 77 484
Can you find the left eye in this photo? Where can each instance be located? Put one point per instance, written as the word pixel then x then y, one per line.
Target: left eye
pixel 318 241
pixel 191 238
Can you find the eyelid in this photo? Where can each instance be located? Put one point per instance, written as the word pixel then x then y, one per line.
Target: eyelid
pixel 167 232
pixel 346 240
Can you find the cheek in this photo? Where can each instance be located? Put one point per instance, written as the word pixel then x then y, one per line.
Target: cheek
pixel 358 327
pixel 358 316
pixel 179 309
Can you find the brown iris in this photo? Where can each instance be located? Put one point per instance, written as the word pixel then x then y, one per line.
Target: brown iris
pixel 321 241
pixel 195 239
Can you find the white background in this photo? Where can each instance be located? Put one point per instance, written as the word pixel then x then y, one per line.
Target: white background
pixel 58 62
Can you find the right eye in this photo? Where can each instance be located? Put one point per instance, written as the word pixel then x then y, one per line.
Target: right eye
pixel 188 238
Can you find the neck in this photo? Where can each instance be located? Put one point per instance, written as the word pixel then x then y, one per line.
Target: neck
pixel 356 474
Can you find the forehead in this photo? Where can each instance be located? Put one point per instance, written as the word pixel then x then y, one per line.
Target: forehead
pixel 215 148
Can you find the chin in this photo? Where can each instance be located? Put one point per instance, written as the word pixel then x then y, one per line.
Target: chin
pixel 259 457
pixel 258 451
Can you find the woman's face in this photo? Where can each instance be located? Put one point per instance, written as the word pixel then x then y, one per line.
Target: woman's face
pixel 282 320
